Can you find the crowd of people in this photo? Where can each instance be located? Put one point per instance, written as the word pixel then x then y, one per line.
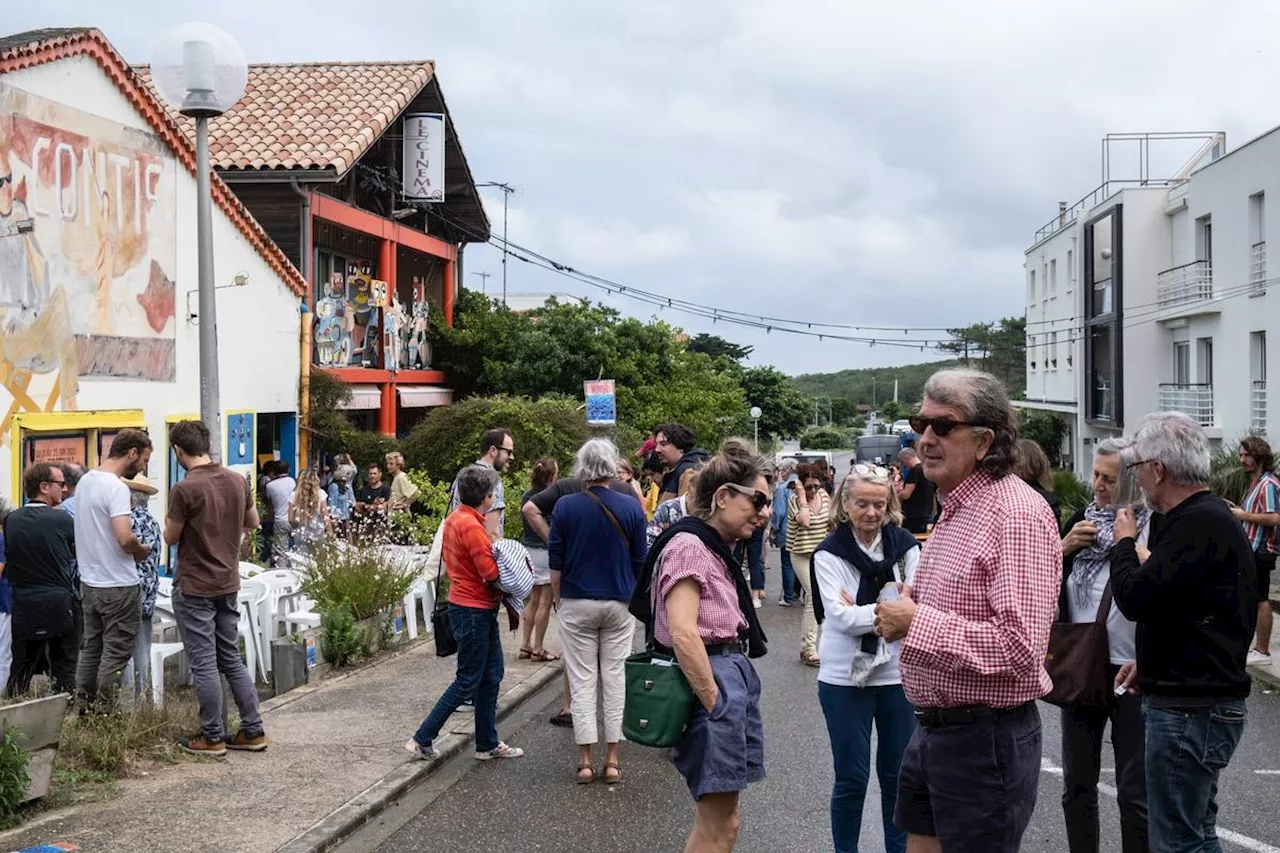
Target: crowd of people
pixel 930 591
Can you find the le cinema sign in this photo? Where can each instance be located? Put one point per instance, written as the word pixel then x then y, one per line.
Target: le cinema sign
pixel 424 157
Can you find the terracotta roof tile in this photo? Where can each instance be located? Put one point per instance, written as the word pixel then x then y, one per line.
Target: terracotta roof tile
pixel 37 47
pixel 332 112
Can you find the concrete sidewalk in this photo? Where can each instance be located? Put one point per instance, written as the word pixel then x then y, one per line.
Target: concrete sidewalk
pixel 1270 673
pixel 336 746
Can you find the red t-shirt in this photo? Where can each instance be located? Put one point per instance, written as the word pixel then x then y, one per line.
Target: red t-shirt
pixel 468 558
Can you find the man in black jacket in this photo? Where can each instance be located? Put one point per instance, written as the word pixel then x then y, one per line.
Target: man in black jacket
pixel 1193 598
pixel 674 444
pixel 40 566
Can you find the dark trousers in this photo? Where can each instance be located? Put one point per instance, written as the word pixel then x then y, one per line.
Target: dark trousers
pixel 210 630
pixel 790 586
pixel 916 525
pixel 1082 737
pixel 972 785
pixel 112 616
pixel 754 548
pixel 37 650
pixel 479 675
pixel 850 712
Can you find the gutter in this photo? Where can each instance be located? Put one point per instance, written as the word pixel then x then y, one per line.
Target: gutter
pixel 304 337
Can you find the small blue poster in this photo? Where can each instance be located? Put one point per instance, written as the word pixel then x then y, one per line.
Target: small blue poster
pixel 602 402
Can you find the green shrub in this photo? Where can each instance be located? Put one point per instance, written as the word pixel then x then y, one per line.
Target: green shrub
pixel 342 642
pixel 1045 430
pixel 824 438
pixel 15 778
pixel 450 436
pixel 360 578
pixel 1072 493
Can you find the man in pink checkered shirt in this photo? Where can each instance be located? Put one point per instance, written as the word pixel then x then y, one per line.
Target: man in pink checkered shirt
pixel 975 628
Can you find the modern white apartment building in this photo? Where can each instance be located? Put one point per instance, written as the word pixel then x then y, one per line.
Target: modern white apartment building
pixel 1153 295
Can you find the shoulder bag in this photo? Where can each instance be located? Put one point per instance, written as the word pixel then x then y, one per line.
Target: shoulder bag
pixel 1079 660
pixel 441 627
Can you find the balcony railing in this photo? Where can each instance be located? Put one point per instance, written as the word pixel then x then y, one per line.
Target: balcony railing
pixel 1258 269
pixel 1187 283
pixel 1194 401
pixel 1258 407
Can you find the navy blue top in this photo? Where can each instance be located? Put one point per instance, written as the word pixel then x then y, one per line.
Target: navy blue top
pixel 588 550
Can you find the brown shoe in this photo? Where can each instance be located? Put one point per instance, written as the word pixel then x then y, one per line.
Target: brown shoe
pixel 200 745
pixel 247 742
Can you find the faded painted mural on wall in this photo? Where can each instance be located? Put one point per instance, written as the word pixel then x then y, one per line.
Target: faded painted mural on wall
pixel 87 253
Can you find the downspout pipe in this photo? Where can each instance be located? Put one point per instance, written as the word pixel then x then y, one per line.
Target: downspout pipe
pixel 305 253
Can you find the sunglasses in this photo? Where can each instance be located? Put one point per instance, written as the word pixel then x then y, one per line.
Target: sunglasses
pixel 871 471
pixel 941 427
pixel 759 500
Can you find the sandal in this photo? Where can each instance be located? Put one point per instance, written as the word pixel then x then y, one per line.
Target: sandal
pixel 544 656
pixel 615 778
pixel 586 780
pixel 525 654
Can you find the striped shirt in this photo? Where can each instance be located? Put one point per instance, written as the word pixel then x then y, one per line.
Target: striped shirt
pixel 719 618
pixel 1263 497
pixel 515 571
pixel 805 539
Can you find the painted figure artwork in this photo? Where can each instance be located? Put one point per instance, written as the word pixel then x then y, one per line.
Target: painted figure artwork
pixel 332 338
pixel 358 279
pixel 395 335
pixel 418 346
pixel 88 251
pixel 378 293
pixel 372 343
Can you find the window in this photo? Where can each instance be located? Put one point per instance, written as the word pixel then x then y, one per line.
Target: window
pixel 1182 363
pixel 1053 277
pixel 1102 390
pixel 1031 352
pixel 1071 266
pixel 1103 281
pixel 1053 350
pixel 1204 361
pixel 1204 239
pixel 1258 357
pixel 1031 286
pixel 1257 218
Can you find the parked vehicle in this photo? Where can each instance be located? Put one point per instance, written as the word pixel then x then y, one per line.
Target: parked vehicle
pixel 878 449
pixel 821 458
pixel 900 427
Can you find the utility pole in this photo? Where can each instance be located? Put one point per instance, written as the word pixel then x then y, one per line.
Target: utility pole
pixel 484 281
pixel 507 190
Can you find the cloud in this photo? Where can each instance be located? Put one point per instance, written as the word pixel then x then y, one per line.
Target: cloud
pixel 850 162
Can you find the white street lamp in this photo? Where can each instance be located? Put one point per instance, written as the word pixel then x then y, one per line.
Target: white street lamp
pixel 200 69
pixel 755 416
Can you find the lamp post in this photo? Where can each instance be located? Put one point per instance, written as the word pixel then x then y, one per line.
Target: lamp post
pixel 755 416
pixel 199 69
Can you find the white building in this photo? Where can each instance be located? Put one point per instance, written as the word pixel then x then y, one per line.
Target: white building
pixel 98 273
pixel 1153 295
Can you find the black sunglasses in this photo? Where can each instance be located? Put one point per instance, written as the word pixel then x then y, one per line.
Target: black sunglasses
pixel 759 500
pixel 942 427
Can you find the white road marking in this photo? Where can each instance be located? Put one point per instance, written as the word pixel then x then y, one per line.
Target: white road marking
pixel 1267 772
pixel 1227 835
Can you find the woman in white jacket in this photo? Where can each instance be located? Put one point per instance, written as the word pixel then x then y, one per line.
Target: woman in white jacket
pixel 858 680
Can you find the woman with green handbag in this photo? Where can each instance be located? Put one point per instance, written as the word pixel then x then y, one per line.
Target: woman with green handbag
pixel 703 611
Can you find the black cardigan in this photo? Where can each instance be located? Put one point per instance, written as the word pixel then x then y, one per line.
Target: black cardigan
pixel 1068 561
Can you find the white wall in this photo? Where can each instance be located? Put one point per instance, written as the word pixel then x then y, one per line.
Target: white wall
pixel 1053 313
pixel 258 324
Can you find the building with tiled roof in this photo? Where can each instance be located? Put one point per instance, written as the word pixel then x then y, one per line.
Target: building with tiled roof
pixel 98 272
pixel 317 152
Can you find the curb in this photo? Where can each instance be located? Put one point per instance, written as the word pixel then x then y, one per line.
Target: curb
pixel 1267 675
pixel 370 802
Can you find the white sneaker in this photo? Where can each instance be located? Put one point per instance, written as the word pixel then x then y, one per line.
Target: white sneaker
pixel 426 753
pixel 1257 658
pixel 467 707
pixel 757 603
pixel 500 751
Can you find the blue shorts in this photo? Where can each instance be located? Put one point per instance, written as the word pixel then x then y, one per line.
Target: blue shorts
pixel 723 752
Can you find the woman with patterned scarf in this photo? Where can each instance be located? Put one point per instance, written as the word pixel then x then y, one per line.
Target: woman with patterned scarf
pixel 1086 579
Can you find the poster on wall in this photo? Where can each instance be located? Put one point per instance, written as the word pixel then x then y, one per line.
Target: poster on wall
pixel 424 157
pixel 602 402
pixel 57 449
pixel 88 255
pixel 105 440
pixel 241 439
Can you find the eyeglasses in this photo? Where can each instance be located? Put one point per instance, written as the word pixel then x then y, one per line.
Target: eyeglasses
pixel 759 500
pixel 942 427
pixel 62 483
pixel 6 179
pixel 1139 463
pixel 871 471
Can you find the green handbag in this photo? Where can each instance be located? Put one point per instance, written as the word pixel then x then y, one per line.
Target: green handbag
pixel 659 700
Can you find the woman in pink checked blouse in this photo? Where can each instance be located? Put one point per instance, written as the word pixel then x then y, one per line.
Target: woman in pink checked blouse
pixel 704 613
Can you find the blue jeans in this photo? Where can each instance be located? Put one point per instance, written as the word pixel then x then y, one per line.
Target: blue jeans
pixel 850 712
pixel 755 558
pixel 788 578
pixel 1189 742
pixel 479 675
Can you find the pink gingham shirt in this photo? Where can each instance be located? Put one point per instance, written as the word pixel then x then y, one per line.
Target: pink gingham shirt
pixel 986 593
pixel 719 618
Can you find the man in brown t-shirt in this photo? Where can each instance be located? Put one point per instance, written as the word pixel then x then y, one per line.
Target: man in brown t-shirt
pixel 209 512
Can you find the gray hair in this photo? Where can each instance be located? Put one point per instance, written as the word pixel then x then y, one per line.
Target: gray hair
pixel 983 400
pixel 139 499
pixel 475 484
pixel 597 460
pixel 906 454
pixel 1127 491
pixel 893 506
pixel 1176 442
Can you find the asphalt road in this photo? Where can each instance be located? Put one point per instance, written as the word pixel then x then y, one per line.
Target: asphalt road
pixel 532 804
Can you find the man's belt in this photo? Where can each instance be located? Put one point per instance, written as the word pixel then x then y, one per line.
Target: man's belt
pixel 939 718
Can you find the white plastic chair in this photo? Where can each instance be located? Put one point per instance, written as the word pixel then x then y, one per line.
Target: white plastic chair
pixel 293 612
pixel 160 652
pixel 425 591
pixel 279 583
pixel 248 570
pixel 253 593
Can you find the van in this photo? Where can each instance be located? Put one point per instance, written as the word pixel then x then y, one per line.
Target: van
pixel 878 449
pixel 821 458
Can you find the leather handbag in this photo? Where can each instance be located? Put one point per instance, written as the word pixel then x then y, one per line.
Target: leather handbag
pixel 659 701
pixel 1079 660
pixel 441 627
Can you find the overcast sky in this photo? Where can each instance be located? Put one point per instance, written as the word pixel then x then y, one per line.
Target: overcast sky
pixel 850 163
